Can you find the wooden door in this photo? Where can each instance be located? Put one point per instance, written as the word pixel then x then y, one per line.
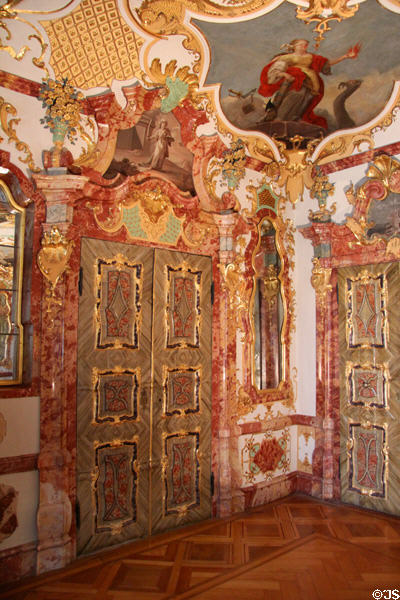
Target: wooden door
pixel 143 392
pixel 369 346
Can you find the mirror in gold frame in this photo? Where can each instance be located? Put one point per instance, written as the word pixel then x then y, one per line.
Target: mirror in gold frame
pixel 268 309
pixel 12 229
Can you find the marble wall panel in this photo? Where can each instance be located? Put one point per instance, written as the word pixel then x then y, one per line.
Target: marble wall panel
pixel 305 448
pixel 27 487
pixel 264 455
pixel 22 416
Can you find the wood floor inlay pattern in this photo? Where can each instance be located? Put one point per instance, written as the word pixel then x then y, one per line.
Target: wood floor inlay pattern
pixel 295 548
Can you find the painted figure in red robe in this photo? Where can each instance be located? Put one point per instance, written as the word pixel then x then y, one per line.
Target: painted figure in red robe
pixel 292 81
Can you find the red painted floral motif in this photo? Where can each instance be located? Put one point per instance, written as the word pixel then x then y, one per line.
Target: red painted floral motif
pixel 182 389
pixel 267 458
pixel 366 317
pixel 116 487
pixel 182 473
pixel 116 395
pixel 183 311
pixel 367 385
pixel 118 312
pixel 367 460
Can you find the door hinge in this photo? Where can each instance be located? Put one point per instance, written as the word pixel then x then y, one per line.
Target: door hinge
pixel 80 281
pixel 77 514
pixel 212 292
pixel 212 483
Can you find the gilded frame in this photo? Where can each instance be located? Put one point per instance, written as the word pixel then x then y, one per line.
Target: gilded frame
pixel 17 279
pixel 284 391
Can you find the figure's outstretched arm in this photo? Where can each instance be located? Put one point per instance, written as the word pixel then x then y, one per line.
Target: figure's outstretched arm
pixel 351 53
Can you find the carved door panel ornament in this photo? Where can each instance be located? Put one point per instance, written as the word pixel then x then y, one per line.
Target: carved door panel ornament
pixel 369 346
pixel 144 392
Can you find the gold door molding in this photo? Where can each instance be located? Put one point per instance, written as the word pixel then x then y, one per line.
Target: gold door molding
pixel 369 346
pixel 144 392
pixel 181 417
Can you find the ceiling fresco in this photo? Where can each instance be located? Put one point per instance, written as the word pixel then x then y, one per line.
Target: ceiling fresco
pixel 263 79
pixel 313 77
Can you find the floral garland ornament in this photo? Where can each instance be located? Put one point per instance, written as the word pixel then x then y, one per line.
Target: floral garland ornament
pixel 63 104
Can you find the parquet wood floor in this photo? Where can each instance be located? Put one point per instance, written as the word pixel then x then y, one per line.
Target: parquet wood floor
pixel 295 548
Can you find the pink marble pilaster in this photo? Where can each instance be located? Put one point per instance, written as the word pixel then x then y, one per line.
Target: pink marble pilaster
pixel 56 458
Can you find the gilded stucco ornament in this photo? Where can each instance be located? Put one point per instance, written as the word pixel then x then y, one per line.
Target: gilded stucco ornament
pixel 228 169
pixel 322 12
pixel 383 178
pixel 178 84
pixel 296 168
pixel 321 189
pixel 343 145
pixel 161 18
pixel 8 126
pixel 233 164
pixel 52 260
pixel 63 106
pixel 235 283
pixel 320 279
pixel 8 11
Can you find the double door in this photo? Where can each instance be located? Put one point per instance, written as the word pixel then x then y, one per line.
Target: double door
pixel 143 392
pixel 369 347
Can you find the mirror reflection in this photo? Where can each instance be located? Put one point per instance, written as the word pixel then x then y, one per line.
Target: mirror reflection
pixel 11 248
pixel 267 309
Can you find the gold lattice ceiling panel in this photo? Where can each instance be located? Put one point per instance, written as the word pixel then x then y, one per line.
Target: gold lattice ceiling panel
pixel 93 45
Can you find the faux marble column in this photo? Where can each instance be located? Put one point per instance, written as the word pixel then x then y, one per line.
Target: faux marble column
pixel 57 453
pixel 227 357
pixel 327 465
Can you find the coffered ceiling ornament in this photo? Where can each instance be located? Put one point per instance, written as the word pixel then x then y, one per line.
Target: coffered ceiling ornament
pixel 93 45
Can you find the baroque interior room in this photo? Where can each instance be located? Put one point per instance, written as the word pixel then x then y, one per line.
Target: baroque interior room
pixel 199 272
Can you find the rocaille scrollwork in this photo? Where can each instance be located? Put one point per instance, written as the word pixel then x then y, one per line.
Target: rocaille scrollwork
pixel 8 126
pixel 383 179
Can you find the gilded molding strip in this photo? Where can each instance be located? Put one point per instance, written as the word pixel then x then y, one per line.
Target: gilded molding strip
pixel 115 506
pixel 181 390
pixel 181 469
pixel 366 313
pixel 367 384
pixel 116 395
pixel 119 284
pixel 367 455
pixel 183 291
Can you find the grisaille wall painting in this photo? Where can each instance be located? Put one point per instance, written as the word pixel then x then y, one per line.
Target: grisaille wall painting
pixel 281 88
pixel 154 144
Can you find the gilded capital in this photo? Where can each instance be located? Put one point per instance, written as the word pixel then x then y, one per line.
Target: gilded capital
pixel 320 278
